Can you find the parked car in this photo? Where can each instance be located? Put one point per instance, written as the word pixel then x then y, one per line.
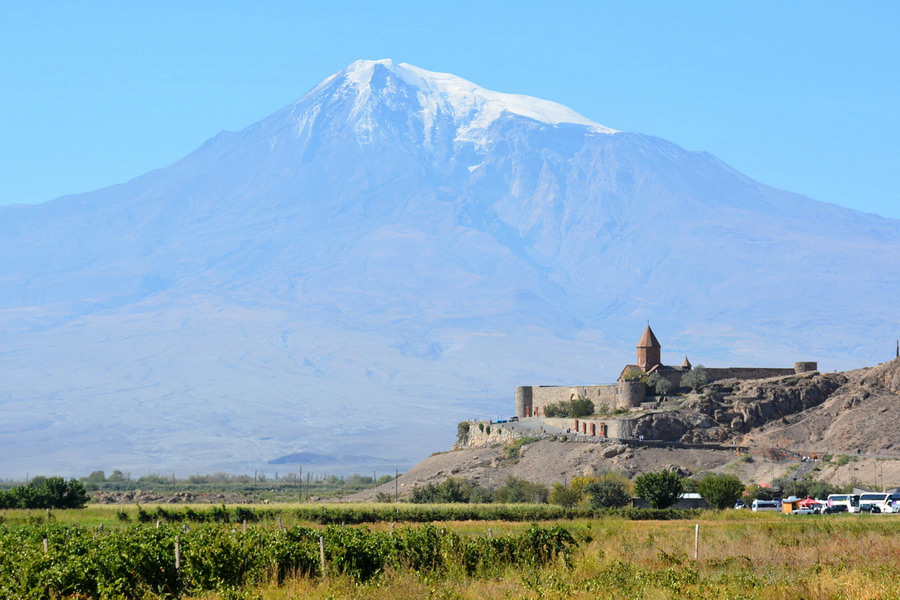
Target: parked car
pixel 513 419
pixel 740 504
pixel 835 508
pixel 804 511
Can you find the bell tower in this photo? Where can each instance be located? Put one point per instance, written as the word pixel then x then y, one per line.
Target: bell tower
pixel 648 350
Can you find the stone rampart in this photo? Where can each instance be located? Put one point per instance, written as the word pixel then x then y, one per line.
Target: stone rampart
pixel 532 401
pixel 716 374
pixel 484 433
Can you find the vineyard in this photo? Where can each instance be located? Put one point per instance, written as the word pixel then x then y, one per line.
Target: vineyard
pixel 171 561
pixel 301 551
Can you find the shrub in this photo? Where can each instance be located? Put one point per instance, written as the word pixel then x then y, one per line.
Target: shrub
pixel 514 450
pixel 563 496
pixel 576 407
pixel 519 490
pixel 462 431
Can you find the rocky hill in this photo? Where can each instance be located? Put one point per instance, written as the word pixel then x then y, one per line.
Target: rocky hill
pixel 852 414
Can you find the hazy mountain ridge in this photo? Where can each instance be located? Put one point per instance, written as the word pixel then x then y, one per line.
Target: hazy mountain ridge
pixel 355 255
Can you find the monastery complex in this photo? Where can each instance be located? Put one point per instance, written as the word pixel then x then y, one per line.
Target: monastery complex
pixel 630 391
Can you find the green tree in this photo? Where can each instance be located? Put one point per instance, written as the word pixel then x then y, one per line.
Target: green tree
pixel 660 384
pixel 607 494
pixel 661 489
pixel 563 496
pixel 696 378
pixel 721 490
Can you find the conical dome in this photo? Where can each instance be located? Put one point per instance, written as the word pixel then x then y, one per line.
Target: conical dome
pixel 648 350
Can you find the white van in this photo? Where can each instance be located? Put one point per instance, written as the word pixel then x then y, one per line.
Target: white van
pixel 762 505
pixel 851 501
pixel 876 503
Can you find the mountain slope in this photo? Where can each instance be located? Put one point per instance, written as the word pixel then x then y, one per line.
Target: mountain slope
pixel 393 253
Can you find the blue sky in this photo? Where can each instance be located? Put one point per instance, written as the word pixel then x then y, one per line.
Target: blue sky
pixel 803 95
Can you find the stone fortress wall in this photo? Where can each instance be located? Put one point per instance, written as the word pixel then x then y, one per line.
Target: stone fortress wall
pixel 531 401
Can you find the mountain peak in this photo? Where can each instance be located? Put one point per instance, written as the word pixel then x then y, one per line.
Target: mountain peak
pixel 471 108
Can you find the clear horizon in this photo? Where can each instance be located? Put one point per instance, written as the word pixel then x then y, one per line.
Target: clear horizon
pixel 800 97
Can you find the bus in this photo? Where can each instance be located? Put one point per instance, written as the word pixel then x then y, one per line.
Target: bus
pixel 851 501
pixel 761 505
pixel 877 502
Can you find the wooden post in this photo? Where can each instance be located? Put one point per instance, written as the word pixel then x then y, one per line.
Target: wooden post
pixel 244 526
pixel 46 546
pixel 158 523
pixel 697 542
pixel 396 485
pixel 322 555
pixel 280 525
pixel 177 555
pixel 490 532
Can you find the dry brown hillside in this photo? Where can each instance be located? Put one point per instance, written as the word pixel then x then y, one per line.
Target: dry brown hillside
pixel 861 414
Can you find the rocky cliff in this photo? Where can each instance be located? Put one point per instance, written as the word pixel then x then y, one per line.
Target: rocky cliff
pixel 834 412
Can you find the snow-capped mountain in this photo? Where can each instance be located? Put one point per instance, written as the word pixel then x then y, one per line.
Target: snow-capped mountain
pixel 391 254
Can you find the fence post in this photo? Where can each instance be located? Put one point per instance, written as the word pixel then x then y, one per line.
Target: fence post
pixel 244 526
pixel 177 555
pixel 46 546
pixel 697 542
pixel 322 556
pixel 280 525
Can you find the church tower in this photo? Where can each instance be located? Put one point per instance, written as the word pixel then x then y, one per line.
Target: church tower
pixel 648 351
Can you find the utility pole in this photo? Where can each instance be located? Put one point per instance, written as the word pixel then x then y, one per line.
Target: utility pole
pixel 307 486
pixel 396 485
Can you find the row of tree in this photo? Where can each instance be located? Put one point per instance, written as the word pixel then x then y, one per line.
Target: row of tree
pixel 454 490
pixel 45 492
pixel 661 489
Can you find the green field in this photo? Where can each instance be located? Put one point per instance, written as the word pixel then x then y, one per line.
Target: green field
pixel 275 555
